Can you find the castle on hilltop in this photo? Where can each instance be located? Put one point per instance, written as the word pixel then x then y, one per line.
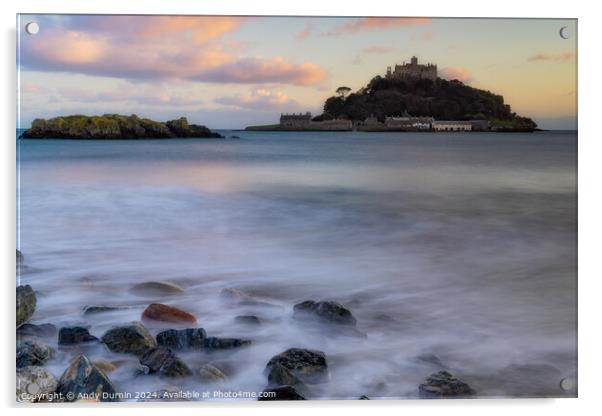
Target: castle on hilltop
pixel 413 70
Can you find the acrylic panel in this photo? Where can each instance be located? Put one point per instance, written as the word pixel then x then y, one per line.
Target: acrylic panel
pixel 295 208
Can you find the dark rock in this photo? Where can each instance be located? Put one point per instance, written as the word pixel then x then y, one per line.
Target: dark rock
pixel 35 384
pixel 82 379
pixel 33 353
pixel 214 343
pixel 326 311
pixel 114 126
pixel 26 304
pixel 364 397
pixel 281 393
pixel 156 288
pixel 247 320
pixel 93 310
pixel 234 137
pixel 164 313
pixel 134 339
pixel 443 384
pixel 184 339
pixel 163 361
pixel 19 257
pixel 308 365
pixel 278 375
pixel 209 373
pixel 41 330
pixel 75 335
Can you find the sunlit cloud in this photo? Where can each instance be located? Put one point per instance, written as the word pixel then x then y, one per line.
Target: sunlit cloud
pixel 257 70
pixel 259 99
pixel 456 72
pixel 558 57
pixel 307 30
pixel 377 23
pixel 174 47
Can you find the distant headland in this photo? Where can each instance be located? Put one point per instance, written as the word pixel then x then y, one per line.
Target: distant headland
pixel 114 127
pixel 410 97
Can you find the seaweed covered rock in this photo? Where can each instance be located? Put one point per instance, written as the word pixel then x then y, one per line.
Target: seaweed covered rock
pixel 326 311
pixel 133 339
pixel 443 384
pixel 163 361
pixel 82 379
pixel 184 339
pixel 33 353
pixel 114 126
pixel 307 365
pixel 210 374
pixel 26 304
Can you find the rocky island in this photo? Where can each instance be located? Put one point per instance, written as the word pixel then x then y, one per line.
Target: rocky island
pixel 114 126
pixel 410 97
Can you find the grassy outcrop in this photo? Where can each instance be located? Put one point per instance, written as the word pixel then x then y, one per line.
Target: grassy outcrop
pixel 114 126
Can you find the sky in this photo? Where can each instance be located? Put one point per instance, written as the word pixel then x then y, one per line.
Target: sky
pixel 231 72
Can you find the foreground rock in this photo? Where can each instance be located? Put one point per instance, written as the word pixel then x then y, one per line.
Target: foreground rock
pixel 210 374
pixel 75 335
pixel 35 384
pixel 184 339
pixel 278 375
pixel 214 343
pixel 281 393
pixel 41 330
pixel 33 353
pixel 443 384
pixel 164 313
pixel 164 362
pixel 26 304
pixel 93 310
pixel 114 126
pixel 83 380
pixel 325 311
pixel 133 339
pixel 157 289
pixel 309 366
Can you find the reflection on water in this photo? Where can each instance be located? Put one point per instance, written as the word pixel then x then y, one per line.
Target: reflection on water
pixel 461 246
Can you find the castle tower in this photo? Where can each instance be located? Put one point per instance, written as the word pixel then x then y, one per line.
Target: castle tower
pixel 414 61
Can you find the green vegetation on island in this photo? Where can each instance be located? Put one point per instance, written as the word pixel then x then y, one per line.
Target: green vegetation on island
pixel 420 97
pixel 114 126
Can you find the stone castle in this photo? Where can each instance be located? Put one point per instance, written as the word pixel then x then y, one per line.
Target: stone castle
pixel 413 70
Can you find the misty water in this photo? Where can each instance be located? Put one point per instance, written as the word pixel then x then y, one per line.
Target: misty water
pixel 454 251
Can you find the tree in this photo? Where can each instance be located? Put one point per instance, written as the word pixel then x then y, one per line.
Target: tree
pixel 343 91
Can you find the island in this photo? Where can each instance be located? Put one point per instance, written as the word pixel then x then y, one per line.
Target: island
pixel 114 127
pixel 409 97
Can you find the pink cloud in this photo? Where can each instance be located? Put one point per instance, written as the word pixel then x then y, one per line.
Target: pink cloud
pixel 427 35
pixel 559 57
pixel 456 72
pixel 378 23
pixel 257 70
pixel 151 47
pixel 307 30
pixel 259 99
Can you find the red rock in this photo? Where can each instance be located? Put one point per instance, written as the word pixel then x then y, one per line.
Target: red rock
pixel 166 313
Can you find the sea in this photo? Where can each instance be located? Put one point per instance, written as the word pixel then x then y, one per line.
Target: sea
pixel 454 251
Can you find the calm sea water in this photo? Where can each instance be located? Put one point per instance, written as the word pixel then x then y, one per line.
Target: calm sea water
pixel 459 246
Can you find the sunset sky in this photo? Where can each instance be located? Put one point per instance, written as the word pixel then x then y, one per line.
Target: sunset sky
pixel 230 72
